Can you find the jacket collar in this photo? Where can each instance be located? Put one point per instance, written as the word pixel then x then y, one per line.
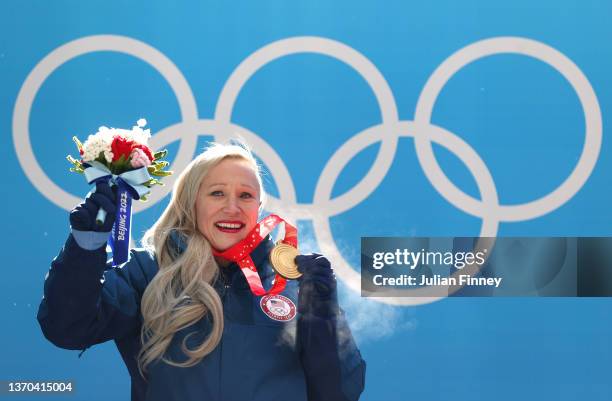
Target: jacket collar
pixel 259 254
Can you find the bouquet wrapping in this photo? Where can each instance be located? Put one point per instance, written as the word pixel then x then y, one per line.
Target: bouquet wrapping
pixel 123 159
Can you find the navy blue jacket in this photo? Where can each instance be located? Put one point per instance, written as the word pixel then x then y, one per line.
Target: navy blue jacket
pixel 87 302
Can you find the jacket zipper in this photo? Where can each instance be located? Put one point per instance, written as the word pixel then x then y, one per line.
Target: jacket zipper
pixel 224 295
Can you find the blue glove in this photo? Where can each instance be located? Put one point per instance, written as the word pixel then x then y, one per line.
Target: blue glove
pixel 85 230
pixel 83 216
pixel 318 294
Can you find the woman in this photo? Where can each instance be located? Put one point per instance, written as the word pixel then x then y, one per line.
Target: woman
pixel 185 321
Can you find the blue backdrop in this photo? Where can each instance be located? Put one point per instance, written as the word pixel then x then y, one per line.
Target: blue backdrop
pixel 513 94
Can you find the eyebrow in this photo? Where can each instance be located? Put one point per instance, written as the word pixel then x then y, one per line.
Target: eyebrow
pixel 223 185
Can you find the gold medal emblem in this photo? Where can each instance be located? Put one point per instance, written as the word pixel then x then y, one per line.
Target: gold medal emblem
pixel 282 260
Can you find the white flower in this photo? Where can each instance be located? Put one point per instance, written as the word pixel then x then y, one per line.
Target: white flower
pixel 108 155
pixel 101 141
pixel 138 134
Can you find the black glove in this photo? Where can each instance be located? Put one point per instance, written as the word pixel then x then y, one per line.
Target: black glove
pixel 318 293
pixel 83 216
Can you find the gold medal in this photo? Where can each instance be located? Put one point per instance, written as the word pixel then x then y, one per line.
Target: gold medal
pixel 282 259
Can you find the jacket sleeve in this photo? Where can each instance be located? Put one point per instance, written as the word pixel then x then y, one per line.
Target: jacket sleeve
pixel 332 362
pixel 87 302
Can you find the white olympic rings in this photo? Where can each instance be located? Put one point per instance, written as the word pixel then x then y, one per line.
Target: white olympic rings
pixel 388 132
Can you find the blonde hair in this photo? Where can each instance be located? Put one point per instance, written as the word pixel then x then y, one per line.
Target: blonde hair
pixel 182 293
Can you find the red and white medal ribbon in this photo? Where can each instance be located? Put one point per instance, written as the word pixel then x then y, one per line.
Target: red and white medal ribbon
pixel 241 253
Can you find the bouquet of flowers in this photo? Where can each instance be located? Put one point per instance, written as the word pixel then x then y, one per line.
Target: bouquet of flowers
pixel 123 158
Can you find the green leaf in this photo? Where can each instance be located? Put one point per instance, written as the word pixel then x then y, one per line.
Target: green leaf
pixel 160 154
pixel 161 173
pixel 101 159
pixel 153 181
pixel 121 165
pixel 76 164
pixel 160 165
pixel 78 143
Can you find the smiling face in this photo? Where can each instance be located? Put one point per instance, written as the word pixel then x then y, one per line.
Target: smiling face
pixel 228 203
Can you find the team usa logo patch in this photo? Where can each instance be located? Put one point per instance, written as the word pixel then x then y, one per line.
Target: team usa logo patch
pixel 278 307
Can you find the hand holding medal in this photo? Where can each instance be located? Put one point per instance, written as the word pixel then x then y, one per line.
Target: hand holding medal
pixel 318 294
pixel 282 259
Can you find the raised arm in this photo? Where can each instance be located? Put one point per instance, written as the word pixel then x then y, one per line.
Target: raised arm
pixel 332 362
pixel 85 300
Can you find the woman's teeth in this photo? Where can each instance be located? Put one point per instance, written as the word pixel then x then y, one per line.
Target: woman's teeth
pixel 229 226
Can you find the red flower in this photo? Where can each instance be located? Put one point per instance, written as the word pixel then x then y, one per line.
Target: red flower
pixel 121 147
pixel 145 149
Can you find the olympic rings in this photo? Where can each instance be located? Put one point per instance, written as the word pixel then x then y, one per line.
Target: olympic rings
pixel 387 132
pixel 555 59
